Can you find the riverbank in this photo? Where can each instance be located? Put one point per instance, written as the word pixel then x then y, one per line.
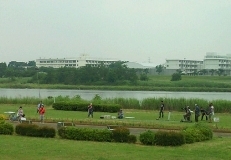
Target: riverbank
pixel 154 83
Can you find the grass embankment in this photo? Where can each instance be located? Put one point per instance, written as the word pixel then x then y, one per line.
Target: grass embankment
pixel 155 83
pixel 21 148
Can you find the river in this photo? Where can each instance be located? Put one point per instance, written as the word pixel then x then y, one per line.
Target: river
pixel 89 94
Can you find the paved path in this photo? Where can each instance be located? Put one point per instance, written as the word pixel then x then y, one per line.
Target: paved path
pixel 134 131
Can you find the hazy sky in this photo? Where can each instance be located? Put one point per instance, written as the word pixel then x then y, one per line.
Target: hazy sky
pixel 134 30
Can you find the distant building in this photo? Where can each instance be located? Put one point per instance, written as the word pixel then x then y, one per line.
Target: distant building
pixel 81 61
pixel 215 61
pixel 137 65
pixel 212 61
pixel 186 66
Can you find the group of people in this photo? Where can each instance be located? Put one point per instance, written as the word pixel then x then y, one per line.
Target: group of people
pixel 208 113
pixel 90 112
pixel 40 110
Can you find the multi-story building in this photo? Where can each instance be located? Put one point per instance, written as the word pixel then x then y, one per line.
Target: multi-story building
pixel 186 66
pixel 215 61
pixel 83 60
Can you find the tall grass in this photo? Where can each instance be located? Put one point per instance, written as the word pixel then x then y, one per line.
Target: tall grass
pixel 175 104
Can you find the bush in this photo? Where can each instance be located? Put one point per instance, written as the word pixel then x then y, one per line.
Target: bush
pixel 6 128
pixel 85 134
pixel 169 138
pixel 147 138
pixel 2 118
pixel 35 131
pixel 120 134
pixel 132 139
pixel 176 77
pixel 197 133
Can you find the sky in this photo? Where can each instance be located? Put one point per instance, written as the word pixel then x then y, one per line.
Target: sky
pixel 133 30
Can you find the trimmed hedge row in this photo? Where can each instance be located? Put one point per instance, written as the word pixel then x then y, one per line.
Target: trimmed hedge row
pixel 33 130
pixel 120 134
pixel 81 106
pixel 195 133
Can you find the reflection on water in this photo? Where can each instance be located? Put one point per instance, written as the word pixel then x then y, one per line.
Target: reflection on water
pixel 89 94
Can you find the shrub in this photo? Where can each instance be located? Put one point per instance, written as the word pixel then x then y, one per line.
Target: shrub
pixel 169 138
pixel 147 138
pixel 2 118
pixel 197 133
pixel 132 139
pixel 62 132
pixel 120 134
pixel 176 77
pixel 35 131
pixel 6 128
pixel 86 134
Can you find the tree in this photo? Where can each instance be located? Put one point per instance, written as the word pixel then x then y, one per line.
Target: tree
pixel 176 77
pixel 159 68
pixel 3 68
pixel 31 63
pixel 220 71
pixel 203 71
pixel 212 71
pixel 179 71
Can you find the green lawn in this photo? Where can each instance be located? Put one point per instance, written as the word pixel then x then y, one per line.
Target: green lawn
pixel 142 117
pixel 30 148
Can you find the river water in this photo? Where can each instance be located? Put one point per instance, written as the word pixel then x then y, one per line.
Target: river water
pixel 89 94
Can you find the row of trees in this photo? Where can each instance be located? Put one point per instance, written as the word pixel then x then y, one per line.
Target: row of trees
pixel 212 72
pixel 115 73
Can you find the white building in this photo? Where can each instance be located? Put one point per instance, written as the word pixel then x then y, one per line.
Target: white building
pixel 137 65
pixel 81 61
pixel 186 66
pixel 215 61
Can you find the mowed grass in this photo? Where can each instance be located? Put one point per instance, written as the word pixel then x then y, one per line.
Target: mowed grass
pixel 144 118
pixel 30 148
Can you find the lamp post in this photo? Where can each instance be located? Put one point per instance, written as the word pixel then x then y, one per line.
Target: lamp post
pixel 38 82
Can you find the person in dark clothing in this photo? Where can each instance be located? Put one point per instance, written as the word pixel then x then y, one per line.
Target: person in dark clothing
pixel 120 114
pixel 204 113
pixel 90 110
pixel 161 113
pixel 197 112
pixel 187 115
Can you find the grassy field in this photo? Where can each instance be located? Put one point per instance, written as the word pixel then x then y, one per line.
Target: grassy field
pixel 143 118
pixel 29 148
pixel 155 83
pixel 23 148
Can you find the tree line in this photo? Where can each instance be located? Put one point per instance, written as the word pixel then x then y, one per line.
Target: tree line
pixel 115 73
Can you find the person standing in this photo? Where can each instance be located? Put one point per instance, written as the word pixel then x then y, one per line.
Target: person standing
pixel 39 105
pixel 90 110
pixel 211 112
pixel 41 113
pixel 161 113
pixel 197 112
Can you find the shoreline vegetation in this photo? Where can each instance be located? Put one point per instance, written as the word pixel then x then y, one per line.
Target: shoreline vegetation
pixel 154 83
